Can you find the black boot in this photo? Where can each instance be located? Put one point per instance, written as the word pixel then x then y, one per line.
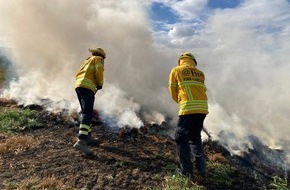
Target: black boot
pixel 81 145
pixel 92 141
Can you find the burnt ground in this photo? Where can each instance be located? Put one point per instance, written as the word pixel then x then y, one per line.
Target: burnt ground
pixel 142 162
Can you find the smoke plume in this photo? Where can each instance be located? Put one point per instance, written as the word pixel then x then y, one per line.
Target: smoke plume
pixel 51 39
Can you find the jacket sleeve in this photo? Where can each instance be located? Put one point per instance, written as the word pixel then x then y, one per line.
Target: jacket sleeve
pixel 173 85
pixel 203 81
pixel 99 66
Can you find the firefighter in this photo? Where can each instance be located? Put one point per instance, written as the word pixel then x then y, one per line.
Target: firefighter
pixel 89 79
pixel 187 88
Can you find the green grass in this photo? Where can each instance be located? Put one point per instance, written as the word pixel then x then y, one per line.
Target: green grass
pixel 17 120
pixel 279 184
pixel 168 166
pixel 221 173
pixel 181 183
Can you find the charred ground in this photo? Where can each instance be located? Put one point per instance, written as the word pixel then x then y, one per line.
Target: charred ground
pixel 142 161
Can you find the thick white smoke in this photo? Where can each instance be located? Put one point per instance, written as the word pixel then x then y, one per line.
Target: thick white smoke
pixel 248 69
pixel 50 39
pixel 243 51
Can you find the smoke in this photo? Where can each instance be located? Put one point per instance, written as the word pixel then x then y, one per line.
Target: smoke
pixel 44 51
pixel 6 69
pixel 249 58
pixel 246 63
pixel 51 39
pixel 243 51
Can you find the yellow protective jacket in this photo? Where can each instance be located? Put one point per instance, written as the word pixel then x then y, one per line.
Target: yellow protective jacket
pixel 91 73
pixel 186 87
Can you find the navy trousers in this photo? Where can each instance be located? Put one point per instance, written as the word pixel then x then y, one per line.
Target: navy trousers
pixel 188 140
pixel 86 99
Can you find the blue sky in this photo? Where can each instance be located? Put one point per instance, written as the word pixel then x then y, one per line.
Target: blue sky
pixel 175 22
pixel 223 3
pixel 172 20
pixel 163 11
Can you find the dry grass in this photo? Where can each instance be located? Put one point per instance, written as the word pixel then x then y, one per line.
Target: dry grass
pixel 36 183
pixel 18 143
pixel 217 157
pixel 157 139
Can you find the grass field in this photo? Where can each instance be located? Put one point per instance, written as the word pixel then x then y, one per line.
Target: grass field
pixel 36 153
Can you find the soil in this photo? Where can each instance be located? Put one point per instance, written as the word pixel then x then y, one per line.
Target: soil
pixel 136 162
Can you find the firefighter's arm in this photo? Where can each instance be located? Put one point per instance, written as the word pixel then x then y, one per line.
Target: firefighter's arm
pixel 173 85
pixel 203 81
pixel 99 74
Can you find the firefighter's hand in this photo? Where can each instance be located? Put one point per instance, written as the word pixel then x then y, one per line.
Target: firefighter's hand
pixel 99 87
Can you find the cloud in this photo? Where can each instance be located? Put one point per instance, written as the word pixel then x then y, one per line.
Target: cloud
pixel 185 34
pixel 189 10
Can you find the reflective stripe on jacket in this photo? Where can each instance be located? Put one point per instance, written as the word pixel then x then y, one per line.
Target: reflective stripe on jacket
pixel 186 87
pixel 90 74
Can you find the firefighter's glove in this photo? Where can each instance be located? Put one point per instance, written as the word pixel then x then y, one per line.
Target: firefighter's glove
pixel 99 87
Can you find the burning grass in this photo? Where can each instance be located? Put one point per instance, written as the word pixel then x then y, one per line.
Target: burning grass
pixel 17 144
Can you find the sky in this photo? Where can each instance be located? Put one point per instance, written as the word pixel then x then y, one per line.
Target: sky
pixel 242 46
